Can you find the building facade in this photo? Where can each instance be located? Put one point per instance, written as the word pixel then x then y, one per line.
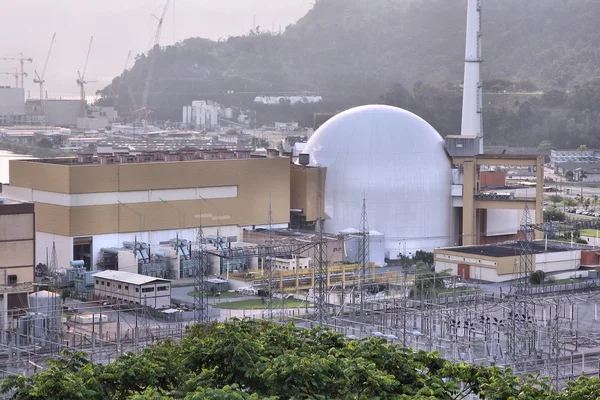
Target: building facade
pixel 132 290
pixel 83 205
pixel 498 262
pixel 17 255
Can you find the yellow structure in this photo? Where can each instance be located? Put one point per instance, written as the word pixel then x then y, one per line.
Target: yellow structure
pixel 474 202
pixel 83 205
pixel 17 251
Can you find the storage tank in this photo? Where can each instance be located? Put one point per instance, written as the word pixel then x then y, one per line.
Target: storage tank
pixel 396 161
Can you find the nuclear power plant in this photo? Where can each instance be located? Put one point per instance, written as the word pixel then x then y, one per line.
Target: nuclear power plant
pixel 377 224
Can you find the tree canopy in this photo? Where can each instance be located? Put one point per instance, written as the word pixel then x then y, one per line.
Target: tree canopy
pixel 260 360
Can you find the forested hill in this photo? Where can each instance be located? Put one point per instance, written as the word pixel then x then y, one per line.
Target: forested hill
pixel 352 51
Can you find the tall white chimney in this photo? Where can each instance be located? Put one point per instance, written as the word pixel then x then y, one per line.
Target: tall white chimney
pixel 472 118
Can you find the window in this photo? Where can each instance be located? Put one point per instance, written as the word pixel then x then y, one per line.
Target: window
pixel 137 289
pixel 161 288
pixel 12 279
pixel 119 286
pixel 97 282
pixel 102 283
pixel 108 284
pixel 126 287
pixel 147 290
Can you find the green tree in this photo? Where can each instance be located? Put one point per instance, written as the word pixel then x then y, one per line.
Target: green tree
pixel 555 199
pixel 537 277
pixel 554 214
pixel 424 256
pixel 257 360
pixel 45 143
pixel 545 145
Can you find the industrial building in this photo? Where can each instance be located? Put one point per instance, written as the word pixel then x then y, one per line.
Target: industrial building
pixel 12 106
pixel 500 262
pixel 129 289
pixel 89 203
pixel 17 255
pixel 205 114
pixel 421 192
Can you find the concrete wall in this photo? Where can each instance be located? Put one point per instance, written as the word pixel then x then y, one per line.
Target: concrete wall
pixel 43 248
pixel 63 112
pixel 12 101
pixel 92 123
pixel 17 242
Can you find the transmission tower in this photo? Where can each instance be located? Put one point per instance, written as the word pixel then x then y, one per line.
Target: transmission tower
pixel 201 311
pixel 53 260
pixel 320 252
pixel 525 265
pixel 521 315
pixel 363 255
pixel 269 265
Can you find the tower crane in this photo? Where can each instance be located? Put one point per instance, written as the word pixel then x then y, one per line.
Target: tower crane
pixel 14 74
pixel 40 78
pixel 118 91
pixel 153 56
pixel 22 60
pixel 81 82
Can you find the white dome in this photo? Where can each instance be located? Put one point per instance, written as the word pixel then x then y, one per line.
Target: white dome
pixel 396 161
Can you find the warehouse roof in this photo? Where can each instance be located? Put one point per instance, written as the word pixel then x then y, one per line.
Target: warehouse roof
pixel 513 248
pixel 128 277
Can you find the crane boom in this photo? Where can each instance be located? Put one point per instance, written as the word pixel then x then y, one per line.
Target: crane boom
pixel 48 57
pixel 153 57
pixel 87 57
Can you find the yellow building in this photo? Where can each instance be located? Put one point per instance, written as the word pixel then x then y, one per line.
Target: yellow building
pixel 17 250
pixel 91 202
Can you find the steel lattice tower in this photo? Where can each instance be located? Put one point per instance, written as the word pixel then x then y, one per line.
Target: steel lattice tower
pixel 270 263
pixel 53 260
pixel 521 316
pixel 363 254
pixel 525 265
pixel 201 309
pixel 320 251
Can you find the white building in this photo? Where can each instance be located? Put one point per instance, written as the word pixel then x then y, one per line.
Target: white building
pixel 126 288
pixel 274 100
pixel 202 114
pixel 497 262
pixel 290 263
pixel 12 105
pixel 396 162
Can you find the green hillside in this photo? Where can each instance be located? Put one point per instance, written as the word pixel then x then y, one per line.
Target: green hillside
pixel 353 51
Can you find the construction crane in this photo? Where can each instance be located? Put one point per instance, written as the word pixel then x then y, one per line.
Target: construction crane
pixel 81 82
pixel 14 74
pixel 153 56
pixel 117 93
pixel 22 60
pixel 39 79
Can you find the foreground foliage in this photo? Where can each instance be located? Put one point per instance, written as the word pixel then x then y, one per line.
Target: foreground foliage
pixel 258 360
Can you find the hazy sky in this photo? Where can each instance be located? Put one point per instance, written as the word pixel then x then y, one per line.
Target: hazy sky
pixel 118 26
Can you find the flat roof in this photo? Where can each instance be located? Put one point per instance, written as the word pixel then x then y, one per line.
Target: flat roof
pixel 513 248
pixel 128 277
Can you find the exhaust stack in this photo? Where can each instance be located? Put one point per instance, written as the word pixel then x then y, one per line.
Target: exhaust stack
pixel 472 118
